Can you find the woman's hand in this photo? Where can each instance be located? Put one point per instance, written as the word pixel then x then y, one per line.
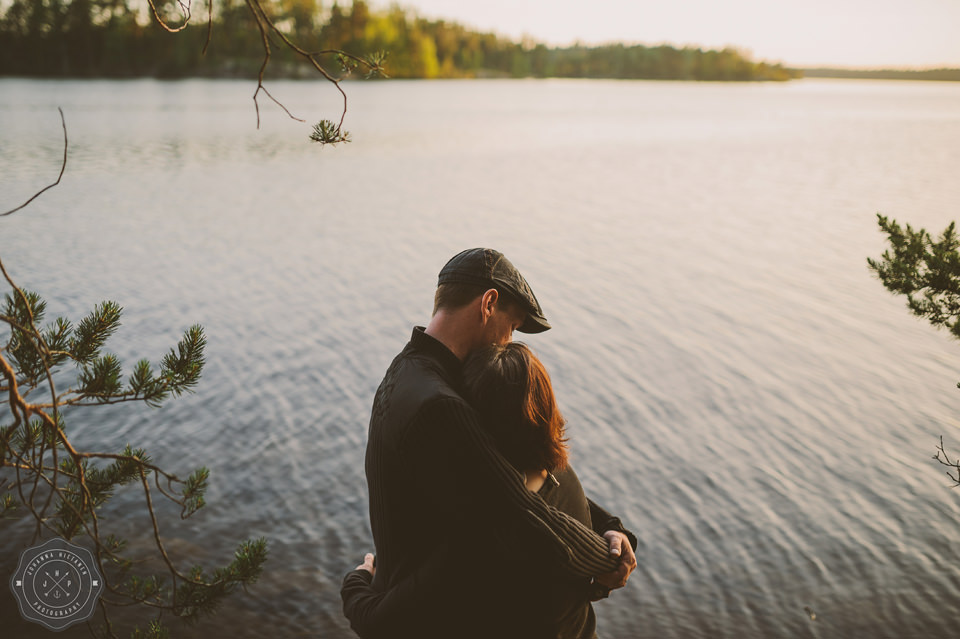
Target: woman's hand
pixel 368 564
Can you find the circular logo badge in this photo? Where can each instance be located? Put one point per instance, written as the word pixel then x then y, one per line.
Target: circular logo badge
pixel 57 584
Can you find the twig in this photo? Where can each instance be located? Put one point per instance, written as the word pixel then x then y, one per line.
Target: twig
pixel 253 5
pixel 156 535
pixel 265 24
pixel 280 104
pixel 209 27
pixel 950 463
pixel 63 167
pixel 184 9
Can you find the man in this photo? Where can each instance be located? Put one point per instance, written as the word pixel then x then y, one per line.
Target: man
pixel 437 482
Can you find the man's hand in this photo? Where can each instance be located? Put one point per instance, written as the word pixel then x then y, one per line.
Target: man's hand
pixel 619 547
pixel 369 566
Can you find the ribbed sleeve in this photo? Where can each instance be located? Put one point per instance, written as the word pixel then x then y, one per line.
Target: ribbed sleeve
pixel 604 521
pixel 447 440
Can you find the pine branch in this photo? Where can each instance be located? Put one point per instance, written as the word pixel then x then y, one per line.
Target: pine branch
pixel 49 471
pixel 925 270
pixel 94 330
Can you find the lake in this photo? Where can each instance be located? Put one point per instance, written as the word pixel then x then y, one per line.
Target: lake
pixel 738 387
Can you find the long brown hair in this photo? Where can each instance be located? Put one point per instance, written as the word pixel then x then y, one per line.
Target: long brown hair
pixel 511 390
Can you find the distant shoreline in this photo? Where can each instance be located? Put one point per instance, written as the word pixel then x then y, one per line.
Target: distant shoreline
pixel 820 74
pixel 934 75
pixel 289 72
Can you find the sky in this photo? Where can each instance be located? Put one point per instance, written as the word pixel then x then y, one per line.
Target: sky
pixel 799 33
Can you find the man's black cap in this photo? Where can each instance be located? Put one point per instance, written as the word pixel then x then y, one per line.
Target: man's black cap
pixel 488 267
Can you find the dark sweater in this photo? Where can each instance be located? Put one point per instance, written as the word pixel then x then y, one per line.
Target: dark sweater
pixel 523 597
pixel 439 491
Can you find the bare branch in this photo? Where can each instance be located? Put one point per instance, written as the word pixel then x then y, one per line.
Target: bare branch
pixel 280 104
pixel 63 167
pixel 156 533
pixel 206 43
pixel 184 9
pixel 266 27
pixel 945 460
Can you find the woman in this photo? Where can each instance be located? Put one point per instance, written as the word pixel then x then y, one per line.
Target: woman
pixel 511 392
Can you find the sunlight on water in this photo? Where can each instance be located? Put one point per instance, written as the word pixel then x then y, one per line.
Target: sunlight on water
pixel 738 387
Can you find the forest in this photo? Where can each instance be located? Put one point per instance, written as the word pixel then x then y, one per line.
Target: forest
pixel 937 75
pixel 121 39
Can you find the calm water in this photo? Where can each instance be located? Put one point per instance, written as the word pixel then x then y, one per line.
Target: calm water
pixel 738 387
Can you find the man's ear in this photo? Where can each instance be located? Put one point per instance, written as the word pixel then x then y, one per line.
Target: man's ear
pixel 487 301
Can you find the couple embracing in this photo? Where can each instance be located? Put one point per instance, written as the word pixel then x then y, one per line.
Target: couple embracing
pixel 481 527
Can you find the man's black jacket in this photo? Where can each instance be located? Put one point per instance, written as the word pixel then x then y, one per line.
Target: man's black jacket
pixel 438 485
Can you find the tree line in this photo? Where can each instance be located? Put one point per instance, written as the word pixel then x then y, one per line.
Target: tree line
pixel 941 75
pixel 118 38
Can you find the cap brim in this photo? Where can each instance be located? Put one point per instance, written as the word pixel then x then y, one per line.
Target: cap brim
pixel 534 324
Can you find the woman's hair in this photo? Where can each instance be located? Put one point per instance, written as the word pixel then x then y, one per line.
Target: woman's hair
pixel 510 389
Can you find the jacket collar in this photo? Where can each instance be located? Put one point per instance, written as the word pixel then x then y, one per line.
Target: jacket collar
pixel 434 348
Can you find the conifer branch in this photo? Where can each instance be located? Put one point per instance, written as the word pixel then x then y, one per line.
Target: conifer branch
pixel 927 272
pixel 36 449
pixel 924 269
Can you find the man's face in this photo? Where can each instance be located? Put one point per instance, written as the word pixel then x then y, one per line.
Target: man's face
pixel 505 319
